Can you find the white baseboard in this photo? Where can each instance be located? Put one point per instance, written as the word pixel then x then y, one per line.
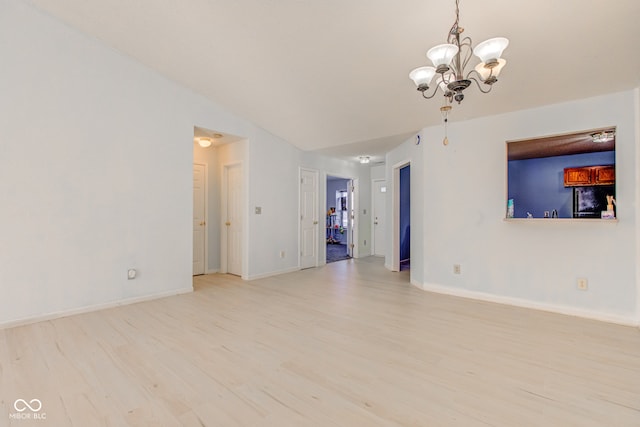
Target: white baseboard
pixel 272 273
pixel 213 271
pixel 518 302
pixel 90 308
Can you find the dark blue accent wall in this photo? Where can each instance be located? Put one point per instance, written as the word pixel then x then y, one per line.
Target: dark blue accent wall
pixel 537 185
pixel 405 209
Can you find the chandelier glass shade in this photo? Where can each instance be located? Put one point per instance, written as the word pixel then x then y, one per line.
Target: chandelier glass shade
pixel 450 61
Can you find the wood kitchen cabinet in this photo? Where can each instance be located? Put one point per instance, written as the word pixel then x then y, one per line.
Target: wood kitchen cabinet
pixel 590 175
pixel 604 175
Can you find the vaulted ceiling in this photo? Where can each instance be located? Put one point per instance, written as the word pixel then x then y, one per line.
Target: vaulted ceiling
pixel 332 75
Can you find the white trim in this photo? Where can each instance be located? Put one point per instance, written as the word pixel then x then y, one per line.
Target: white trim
pixel 354 207
pixel 92 308
pixel 272 273
pixel 213 271
pixel 517 302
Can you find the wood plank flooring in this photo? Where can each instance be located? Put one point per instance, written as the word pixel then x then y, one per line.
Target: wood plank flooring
pixel 347 344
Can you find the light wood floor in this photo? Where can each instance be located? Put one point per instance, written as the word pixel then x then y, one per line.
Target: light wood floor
pixel 348 344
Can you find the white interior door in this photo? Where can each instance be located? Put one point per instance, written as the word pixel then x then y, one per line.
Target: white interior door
pixel 308 218
pixel 379 205
pixel 199 222
pixel 233 222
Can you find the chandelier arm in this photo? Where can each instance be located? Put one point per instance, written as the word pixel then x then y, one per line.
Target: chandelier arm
pixel 470 77
pixel 435 90
pixel 466 42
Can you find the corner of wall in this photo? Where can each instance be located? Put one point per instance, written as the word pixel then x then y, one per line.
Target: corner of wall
pixel 636 105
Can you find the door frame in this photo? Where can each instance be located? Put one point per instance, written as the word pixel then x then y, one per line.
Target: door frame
pixel 395 213
pixel 352 204
pixel 206 216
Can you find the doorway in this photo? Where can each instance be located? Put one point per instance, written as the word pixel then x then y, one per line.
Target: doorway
pixel 405 217
pixel 401 217
pixel 339 218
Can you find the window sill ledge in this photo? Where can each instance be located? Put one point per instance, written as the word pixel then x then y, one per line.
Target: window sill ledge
pixel 561 220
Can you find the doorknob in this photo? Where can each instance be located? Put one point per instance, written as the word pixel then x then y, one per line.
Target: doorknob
pixel 228 223
pixel 315 222
pixel 202 223
pixel 375 223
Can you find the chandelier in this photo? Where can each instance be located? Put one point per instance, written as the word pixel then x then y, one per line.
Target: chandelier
pixel 450 61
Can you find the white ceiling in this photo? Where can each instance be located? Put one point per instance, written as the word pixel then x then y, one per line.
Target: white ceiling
pixel 332 75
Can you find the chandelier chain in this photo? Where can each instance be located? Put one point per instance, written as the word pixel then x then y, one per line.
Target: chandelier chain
pixel 455 27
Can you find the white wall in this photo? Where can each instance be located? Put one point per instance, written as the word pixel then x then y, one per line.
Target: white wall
pixel 273 186
pixel 529 263
pixel 92 171
pixel 378 172
pixel 96 171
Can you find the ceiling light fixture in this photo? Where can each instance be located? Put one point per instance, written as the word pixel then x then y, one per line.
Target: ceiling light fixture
pixel 205 142
pixel 450 61
pixel 364 159
pixel 602 137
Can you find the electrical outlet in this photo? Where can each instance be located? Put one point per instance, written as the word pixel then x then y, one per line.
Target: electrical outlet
pixel 281 254
pixel 583 284
pixel 131 274
pixel 456 269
